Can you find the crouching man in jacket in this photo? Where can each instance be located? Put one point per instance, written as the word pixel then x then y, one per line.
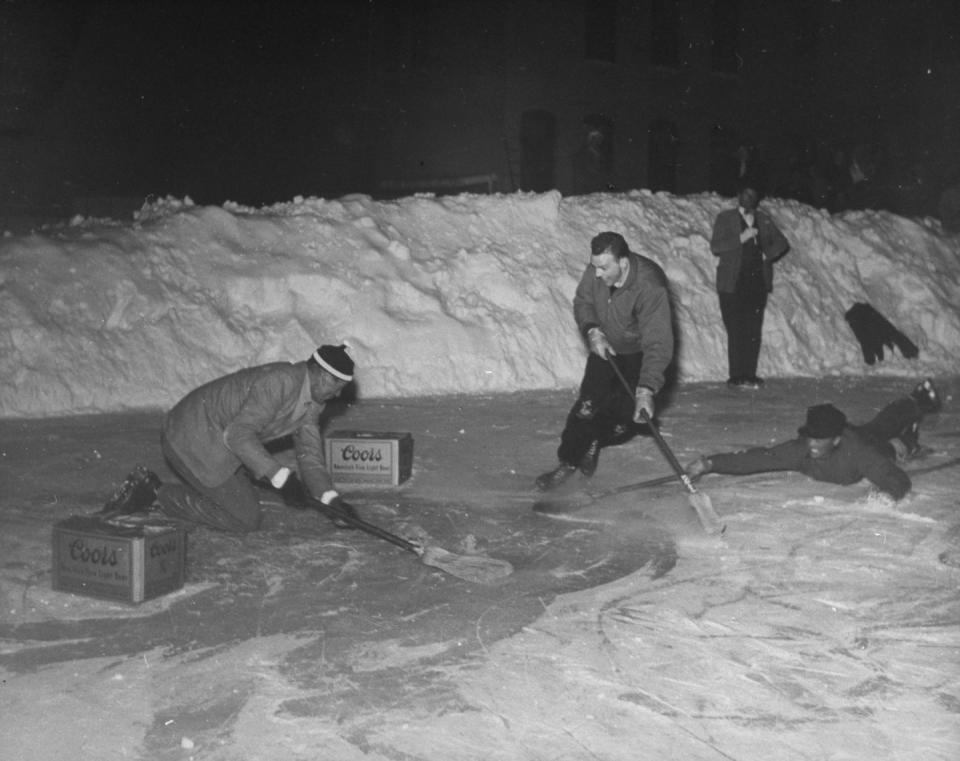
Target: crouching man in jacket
pixel 214 440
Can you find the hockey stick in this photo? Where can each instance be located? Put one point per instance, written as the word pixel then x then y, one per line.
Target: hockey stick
pixel 569 504
pixel 699 501
pixel 476 568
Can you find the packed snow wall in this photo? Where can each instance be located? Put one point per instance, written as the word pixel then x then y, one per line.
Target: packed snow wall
pixel 467 294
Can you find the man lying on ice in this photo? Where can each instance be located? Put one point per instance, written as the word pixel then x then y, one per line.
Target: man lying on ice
pixel 830 449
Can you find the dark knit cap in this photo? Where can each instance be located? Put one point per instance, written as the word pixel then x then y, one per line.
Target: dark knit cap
pixel 612 242
pixel 335 360
pixel 824 421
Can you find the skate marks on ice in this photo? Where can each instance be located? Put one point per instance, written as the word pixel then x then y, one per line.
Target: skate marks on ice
pixel 832 644
pixel 817 663
pixel 290 576
pixel 302 622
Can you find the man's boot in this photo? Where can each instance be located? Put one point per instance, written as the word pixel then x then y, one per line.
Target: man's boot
pixel 556 477
pixel 136 494
pixel 588 463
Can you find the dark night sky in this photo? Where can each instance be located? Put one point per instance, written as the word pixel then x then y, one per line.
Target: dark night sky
pixel 185 96
pixel 247 100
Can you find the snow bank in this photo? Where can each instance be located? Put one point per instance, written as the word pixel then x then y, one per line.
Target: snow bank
pixel 461 294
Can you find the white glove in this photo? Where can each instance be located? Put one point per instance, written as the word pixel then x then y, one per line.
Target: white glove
pixel 329 496
pixel 698 467
pixel 644 401
pixel 750 232
pixel 599 344
pixel 280 478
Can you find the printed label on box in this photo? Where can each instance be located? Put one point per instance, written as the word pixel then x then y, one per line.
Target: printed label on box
pixel 370 456
pixel 131 564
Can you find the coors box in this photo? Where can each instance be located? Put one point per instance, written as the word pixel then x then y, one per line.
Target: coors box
pixel 370 457
pixel 128 563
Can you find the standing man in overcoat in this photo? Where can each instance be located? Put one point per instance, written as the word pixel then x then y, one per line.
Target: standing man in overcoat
pixel 747 243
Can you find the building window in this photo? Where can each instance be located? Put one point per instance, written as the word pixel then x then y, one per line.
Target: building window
pixel 724 144
pixel 662 142
pixel 725 49
pixel 664 33
pixel 593 161
pixel 600 29
pixel 538 138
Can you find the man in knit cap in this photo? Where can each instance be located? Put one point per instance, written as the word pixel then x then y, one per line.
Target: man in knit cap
pixel 214 440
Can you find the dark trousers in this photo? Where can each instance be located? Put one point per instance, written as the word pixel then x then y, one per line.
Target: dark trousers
pixel 603 411
pixel 898 420
pixel 742 315
pixel 232 506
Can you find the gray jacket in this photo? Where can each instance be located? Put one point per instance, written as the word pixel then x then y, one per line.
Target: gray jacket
pixel 635 319
pixel 223 425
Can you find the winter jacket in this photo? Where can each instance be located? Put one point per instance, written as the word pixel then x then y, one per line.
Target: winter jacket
pixel 223 425
pixel 635 318
pixel 725 244
pixel 853 459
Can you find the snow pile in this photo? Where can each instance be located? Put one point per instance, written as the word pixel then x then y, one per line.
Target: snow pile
pixel 460 294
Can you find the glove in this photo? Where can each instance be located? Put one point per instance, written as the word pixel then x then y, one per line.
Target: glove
pixel 699 467
pixel 750 232
pixel 338 508
pixel 599 344
pixel 279 478
pixel 294 494
pixel 644 401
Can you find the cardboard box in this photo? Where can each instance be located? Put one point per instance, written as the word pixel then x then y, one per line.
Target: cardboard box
pixel 127 563
pixel 370 457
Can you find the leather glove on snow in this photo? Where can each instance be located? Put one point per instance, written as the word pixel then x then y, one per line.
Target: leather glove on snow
pixel 698 467
pixel 599 344
pixel 644 401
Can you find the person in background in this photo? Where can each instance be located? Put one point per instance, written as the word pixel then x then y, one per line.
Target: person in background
pixel 214 439
pixel 622 309
pixel 830 449
pixel 747 243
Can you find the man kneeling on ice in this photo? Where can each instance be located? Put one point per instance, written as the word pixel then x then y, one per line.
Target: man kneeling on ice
pixel 829 449
pixel 214 439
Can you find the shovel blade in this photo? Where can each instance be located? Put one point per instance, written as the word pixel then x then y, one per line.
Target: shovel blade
pixel 703 507
pixel 478 569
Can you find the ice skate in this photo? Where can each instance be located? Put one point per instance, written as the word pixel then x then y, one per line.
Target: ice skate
pixel 556 477
pixel 136 494
pixel 588 463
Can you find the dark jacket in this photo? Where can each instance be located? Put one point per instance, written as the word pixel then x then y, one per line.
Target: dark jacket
pixel 635 319
pixel 725 244
pixel 853 459
pixel 223 425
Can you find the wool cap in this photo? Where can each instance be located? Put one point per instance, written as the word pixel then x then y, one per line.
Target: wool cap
pixel 335 360
pixel 824 421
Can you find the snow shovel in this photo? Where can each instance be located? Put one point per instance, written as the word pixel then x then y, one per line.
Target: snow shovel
pixel 699 501
pixel 475 568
